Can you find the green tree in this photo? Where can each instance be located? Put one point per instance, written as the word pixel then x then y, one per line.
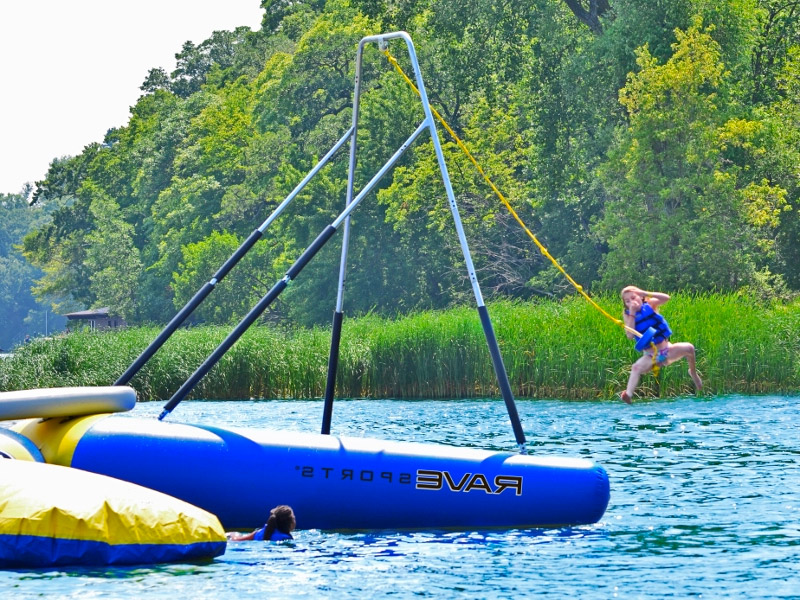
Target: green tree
pixel 532 87
pixel 20 313
pixel 782 133
pixel 680 214
pixel 417 208
pixel 287 16
pixel 237 293
pixel 778 32
pixel 112 258
pixel 56 247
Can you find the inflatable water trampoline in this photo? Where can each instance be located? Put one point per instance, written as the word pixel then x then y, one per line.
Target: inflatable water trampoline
pixel 331 482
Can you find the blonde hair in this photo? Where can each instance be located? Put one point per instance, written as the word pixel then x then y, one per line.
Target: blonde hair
pixel 630 288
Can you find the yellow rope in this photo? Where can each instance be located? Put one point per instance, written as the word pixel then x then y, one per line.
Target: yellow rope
pixel 508 206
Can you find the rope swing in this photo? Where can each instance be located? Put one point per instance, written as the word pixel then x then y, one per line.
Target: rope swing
pixel 645 339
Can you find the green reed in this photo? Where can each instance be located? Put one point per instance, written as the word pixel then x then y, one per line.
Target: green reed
pixel 551 349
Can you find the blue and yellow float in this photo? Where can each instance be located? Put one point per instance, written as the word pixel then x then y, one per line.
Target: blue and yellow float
pixel 51 515
pixel 55 516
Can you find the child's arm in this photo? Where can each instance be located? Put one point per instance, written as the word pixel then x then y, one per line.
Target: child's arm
pixel 630 322
pixel 655 299
pixel 235 536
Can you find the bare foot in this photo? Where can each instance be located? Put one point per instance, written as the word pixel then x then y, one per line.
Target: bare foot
pixel 698 383
pixel 625 397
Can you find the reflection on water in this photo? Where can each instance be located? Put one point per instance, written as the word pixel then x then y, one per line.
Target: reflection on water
pixel 705 500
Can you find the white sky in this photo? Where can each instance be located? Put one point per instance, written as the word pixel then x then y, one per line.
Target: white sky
pixel 71 69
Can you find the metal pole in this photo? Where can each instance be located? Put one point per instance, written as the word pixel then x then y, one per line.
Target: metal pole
pixel 338 313
pixel 281 285
pixel 209 286
pixel 491 340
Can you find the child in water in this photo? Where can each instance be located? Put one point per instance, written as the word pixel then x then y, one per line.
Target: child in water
pixel 279 527
pixel 641 312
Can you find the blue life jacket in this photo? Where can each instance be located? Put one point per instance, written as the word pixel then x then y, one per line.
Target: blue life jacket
pixel 647 317
pixel 277 536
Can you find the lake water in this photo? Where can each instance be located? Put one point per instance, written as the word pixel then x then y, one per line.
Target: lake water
pixel 705 503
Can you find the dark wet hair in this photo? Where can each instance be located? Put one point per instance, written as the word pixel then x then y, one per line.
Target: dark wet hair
pixel 280 518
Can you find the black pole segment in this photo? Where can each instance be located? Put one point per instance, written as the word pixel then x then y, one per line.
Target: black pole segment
pixel 226 344
pixel 248 320
pixel 502 376
pixel 239 254
pixel 182 315
pixel 333 364
pixel 165 334
pixel 306 257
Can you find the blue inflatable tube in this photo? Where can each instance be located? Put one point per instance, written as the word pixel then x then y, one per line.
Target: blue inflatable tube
pixel 333 482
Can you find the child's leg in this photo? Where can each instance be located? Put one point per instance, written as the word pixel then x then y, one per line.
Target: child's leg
pixel 681 350
pixel 639 368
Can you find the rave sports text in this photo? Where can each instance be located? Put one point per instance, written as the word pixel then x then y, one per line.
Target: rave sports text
pixel 425 479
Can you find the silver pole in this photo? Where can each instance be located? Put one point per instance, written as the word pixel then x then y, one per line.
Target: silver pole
pixel 350 181
pixel 298 188
pixel 338 313
pixel 377 177
pixel 491 340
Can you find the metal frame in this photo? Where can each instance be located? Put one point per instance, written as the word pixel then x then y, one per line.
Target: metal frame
pixel 351 203
pixel 430 124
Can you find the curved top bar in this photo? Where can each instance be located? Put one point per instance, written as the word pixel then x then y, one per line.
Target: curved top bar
pixel 386 36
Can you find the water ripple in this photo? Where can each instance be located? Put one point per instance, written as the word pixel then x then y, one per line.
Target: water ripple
pixel 705 502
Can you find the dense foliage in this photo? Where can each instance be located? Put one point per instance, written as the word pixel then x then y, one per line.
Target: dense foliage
pixel 20 313
pixel 651 142
pixel 441 354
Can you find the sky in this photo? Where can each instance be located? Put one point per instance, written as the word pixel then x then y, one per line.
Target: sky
pixel 71 69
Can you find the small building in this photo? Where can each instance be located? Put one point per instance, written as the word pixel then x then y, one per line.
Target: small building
pixel 95 319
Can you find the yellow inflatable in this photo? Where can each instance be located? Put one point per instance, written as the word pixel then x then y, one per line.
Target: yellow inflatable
pixel 53 515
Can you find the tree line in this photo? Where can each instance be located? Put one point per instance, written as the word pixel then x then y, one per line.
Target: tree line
pixel 649 142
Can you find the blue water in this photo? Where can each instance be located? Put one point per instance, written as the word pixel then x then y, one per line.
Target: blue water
pixel 705 503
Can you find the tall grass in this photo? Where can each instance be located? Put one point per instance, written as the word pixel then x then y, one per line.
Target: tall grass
pixel 551 349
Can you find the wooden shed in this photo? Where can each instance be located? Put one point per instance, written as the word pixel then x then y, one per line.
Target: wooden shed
pixel 96 318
